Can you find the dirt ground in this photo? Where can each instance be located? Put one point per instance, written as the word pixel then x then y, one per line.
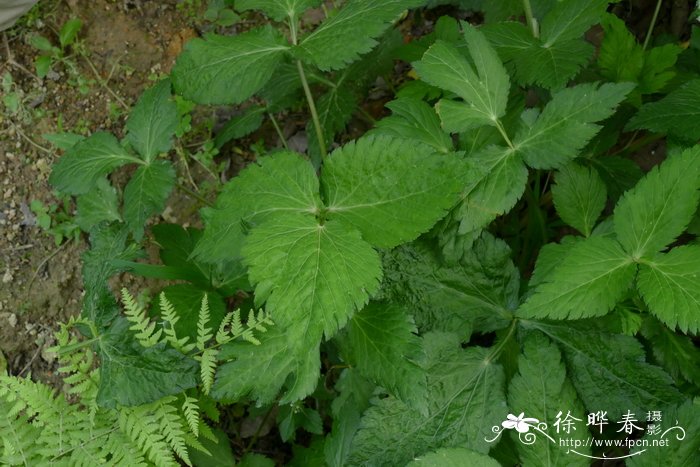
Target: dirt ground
pixel 127 41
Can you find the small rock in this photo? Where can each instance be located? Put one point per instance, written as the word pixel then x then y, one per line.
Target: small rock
pixel 7 277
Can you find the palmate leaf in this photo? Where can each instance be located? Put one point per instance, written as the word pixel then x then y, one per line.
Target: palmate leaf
pixel 152 122
pixel 590 280
pixel 381 343
pixel 579 197
pixel 659 208
pixel 670 287
pixel 566 124
pixel 283 182
pixel 228 70
pixel 391 190
pixel 677 114
pixel 146 194
pixel 467 399
pixel 77 171
pixel 342 38
pixel 484 86
pixel 609 370
pixel 278 9
pixel 454 457
pixel 540 390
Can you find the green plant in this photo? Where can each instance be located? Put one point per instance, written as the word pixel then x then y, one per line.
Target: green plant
pixel 52 55
pixel 56 221
pixel 489 249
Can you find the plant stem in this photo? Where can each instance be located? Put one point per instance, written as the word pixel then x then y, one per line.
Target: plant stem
pixel 499 348
pixel 278 130
pixel 312 109
pixel 531 21
pixel 194 195
pixel 647 39
pixel 504 134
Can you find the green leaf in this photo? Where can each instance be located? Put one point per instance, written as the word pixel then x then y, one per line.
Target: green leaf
pixel 414 119
pixel 42 43
pixel 146 194
pixel 283 182
pixel 659 208
pixel 99 204
pixel 669 284
pixel 220 453
pixel 570 20
pixel 588 282
pixel 677 354
pixel 609 370
pixel 541 390
pixel 278 10
pixel 42 64
pixel 682 447
pixel 382 344
pixel 69 32
pixel 342 38
pixel 152 122
pixel 579 197
pixel 335 110
pixel 549 258
pixel 261 371
pixel 467 400
pixel 454 457
pixel 484 90
pixel 313 277
pixel 134 375
pixel 566 124
pixel 677 114
pixel 240 125
pixel 228 69
pixel 187 301
pixel 391 190
pixel 621 58
pixel 63 140
pixel 77 171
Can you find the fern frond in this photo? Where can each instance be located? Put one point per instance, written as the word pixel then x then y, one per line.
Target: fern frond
pixel 146 332
pixel 171 426
pixel 204 334
pixel 167 311
pixel 207 368
pixel 142 427
pixel 194 443
pixel 222 335
pixel 76 366
pixel 190 408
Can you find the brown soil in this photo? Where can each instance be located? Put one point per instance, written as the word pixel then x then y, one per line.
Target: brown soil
pixel 127 41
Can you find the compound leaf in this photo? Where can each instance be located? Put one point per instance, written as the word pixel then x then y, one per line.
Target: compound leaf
pixel 152 122
pixel 670 287
pixel 659 208
pixel 390 189
pixel 77 171
pixel 228 69
pixel 383 346
pixel 146 194
pixel 342 38
pixel 567 123
pixel 609 370
pixel 283 182
pixel 467 399
pixel 579 197
pixel 589 281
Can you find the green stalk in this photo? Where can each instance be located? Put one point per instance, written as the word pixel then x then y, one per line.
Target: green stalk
pixel 647 39
pixel 531 21
pixel 312 109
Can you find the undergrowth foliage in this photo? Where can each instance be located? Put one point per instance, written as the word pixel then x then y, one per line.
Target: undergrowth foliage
pixel 489 249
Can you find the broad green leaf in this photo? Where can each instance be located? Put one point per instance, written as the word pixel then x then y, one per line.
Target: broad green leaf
pixel 566 124
pixel 240 125
pixel 677 354
pixel 609 370
pixel 278 10
pixel 659 208
pixel 588 282
pixel 63 140
pixel 540 390
pixel 261 371
pixel 579 197
pixel 467 400
pixel 283 182
pixel 134 375
pixel 382 344
pixel 390 189
pixel 549 258
pixel 99 204
pixel 146 194
pixel 414 119
pixel 479 292
pixel 454 457
pixel 228 69
pixel 152 122
pixel 496 178
pixel 677 114
pixel 483 86
pixel 342 38
pixel 77 171
pixel 670 287
pixel 69 32
pixel 312 276
pixel 682 444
